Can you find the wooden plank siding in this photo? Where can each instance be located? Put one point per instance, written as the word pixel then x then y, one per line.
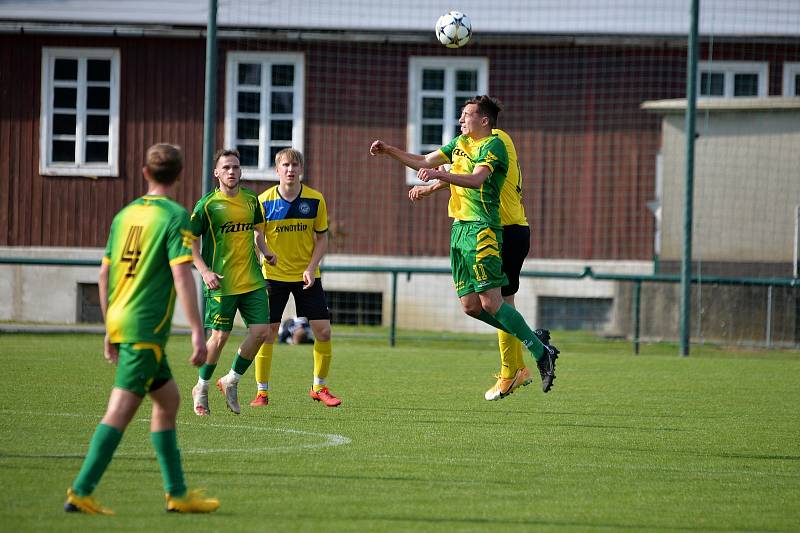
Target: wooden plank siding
pixel 587 150
pixel 156 103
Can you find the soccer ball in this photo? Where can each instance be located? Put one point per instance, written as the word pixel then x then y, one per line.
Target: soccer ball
pixel 453 29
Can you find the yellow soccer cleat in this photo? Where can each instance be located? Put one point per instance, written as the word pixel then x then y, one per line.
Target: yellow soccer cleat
pixel 84 504
pixel 502 387
pixel 523 378
pixel 194 502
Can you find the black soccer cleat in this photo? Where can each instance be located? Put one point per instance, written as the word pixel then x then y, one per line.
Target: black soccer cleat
pixel 547 366
pixel 543 335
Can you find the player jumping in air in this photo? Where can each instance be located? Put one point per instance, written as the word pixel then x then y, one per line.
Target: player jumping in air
pixel 516 243
pixel 479 166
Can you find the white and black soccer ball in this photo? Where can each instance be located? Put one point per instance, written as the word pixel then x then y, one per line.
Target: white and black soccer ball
pixel 454 29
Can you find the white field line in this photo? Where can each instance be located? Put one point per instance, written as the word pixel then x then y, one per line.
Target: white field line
pixel 328 439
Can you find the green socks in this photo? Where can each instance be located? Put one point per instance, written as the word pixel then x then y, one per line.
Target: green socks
pixel 101 448
pixel 514 323
pixel 169 460
pixel 206 371
pixel 492 321
pixel 240 364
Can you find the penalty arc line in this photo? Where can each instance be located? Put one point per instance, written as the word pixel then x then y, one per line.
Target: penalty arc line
pixel 330 439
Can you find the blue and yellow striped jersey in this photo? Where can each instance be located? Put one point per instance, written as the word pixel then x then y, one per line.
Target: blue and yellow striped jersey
pixel 289 228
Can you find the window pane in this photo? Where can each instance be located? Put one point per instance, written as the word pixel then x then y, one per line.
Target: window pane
pixel 797 84
pixel 247 128
pixel 248 102
pixel 65 97
pixel 64 151
pixel 745 85
pixel 66 69
pixel 282 75
pixel 712 84
pixel 98 97
pixel 98 70
pixel 97 124
pixel 273 151
pixel 433 108
pixel 281 130
pixel 458 105
pixel 248 155
pixel 467 81
pixel 457 130
pixel 432 80
pixel 63 124
pixel 432 134
pixel 97 152
pixel 249 74
pixel 282 103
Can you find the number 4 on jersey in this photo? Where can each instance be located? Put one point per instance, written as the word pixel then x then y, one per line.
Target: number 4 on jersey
pixel 132 250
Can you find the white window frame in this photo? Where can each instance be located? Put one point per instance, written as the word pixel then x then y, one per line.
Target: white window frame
pixel 47 167
pixel 266 167
pixel 790 72
pixel 450 65
pixel 729 69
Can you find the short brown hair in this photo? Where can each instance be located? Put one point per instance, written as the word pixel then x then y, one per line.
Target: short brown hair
pixel 164 163
pixel 225 152
pixel 291 155
pixel 487 107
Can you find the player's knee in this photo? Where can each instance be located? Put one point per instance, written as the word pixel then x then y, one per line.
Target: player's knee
pixel 219 338
pixel 324 334
pixel 472 308
pixel 272 333
pixel 260 332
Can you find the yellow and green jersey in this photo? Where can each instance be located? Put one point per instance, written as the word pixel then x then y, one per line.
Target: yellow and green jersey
pixel 481 204
pixel 511 209
pixel 290 229
pixel 226 225
pixel 147 237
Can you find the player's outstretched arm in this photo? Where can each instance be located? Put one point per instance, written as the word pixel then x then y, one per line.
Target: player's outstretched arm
pixel 471 181
pixel 410 160
pixel 187 294
pixel 418 192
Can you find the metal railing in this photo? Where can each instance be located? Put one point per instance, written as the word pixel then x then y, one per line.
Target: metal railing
pixel 587 273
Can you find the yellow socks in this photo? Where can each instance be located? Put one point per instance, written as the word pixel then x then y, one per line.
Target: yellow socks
pixel 510 354
pixel 264 363
pixel 322 362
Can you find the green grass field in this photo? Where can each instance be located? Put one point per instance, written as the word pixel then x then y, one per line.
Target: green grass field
pixel 640 443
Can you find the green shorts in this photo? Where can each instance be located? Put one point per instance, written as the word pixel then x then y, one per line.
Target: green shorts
pixel 142 367
pixel 475 257
pixel 253 306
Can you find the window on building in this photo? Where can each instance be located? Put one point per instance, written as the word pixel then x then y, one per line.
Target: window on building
pixel 732 79
pixel 575 313
pixel 438 88
pixel 264 108
pixel 355 308
pixel 79 122
pixel 89 303
pixel 791 79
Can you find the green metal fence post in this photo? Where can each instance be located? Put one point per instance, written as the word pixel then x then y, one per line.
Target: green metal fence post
pixel 637 296
pixel 393 326
pixel 691 104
